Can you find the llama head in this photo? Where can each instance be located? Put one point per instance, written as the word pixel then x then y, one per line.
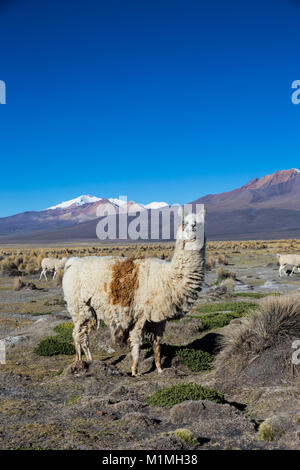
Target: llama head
pixel 191 229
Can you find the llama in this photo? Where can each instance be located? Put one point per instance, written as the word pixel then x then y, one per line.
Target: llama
pixel 288 260
pixel 135 297
pixel 52 264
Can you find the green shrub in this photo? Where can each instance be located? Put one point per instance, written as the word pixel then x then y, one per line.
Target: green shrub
pixel 212 321
pixel 196 360
pixel 54 345
pixel 186 436
pixel 254 295
pixel 265 432
pixel 181 392
pixel 65 330
pixel 59 344
pixel 219 314
pixel 239 307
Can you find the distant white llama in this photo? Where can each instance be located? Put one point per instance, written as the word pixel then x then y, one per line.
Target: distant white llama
pixel 288 260
pixel 52 264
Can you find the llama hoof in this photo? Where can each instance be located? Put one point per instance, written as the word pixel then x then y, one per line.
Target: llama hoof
pixel 159 371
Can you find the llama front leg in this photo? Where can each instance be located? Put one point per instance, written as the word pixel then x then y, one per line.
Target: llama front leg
pixel 43 273
pixel 281 269
pixel 135 338
pixel 156 350
pixel 135 352
pixel 76 336
pixel 54 275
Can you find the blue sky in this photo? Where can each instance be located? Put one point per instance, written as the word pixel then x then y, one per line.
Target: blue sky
pixel 158 100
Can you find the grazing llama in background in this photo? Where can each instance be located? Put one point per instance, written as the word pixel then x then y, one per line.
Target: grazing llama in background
pixel 135 297
pixel 52 264
pixel 288 260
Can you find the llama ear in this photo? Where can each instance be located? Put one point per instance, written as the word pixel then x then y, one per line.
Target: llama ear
pixel 181 213
pixel 200 213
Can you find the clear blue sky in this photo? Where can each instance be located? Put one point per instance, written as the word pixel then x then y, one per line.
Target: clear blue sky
pixel 158 100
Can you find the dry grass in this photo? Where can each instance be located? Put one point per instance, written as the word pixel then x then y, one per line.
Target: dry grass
pixel 59 277
pixel 22 261
pixel 229 284
pixel 222 274
pixel 222 259
pixel 210 263
pixel 18 284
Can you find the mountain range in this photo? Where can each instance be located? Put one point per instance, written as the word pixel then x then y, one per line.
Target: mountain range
pixel 264 208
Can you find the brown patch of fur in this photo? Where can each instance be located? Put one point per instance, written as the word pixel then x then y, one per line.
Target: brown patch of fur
pixel 124 282
pixel 105 287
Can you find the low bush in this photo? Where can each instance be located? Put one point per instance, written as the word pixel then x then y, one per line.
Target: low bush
pixel 59 344
pixel 195 360
pixel 178 393
pixel 212 320
pixel 238 307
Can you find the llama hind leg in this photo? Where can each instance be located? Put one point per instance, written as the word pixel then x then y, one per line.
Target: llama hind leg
pixel 85 347
pixel 85 323
pixel 81 342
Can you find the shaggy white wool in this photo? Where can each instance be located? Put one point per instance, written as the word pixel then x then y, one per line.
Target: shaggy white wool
pixel 164 290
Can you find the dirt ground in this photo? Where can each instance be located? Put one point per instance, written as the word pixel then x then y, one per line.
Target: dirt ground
pixel 50 403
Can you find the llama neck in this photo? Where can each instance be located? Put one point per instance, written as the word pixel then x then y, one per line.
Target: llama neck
pixel 187 275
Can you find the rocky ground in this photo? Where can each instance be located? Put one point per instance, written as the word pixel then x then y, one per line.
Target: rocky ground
pixel 52 403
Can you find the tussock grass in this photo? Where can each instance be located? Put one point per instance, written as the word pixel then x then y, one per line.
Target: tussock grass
pixel 265 432
pixel 222 274
pixel 276 319
pixel 186 436
pixel 18 284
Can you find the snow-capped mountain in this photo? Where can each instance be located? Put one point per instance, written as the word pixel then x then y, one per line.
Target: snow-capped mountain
pixel 156 205
pixel 264 208
pixel 78 201
pixel 131 206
